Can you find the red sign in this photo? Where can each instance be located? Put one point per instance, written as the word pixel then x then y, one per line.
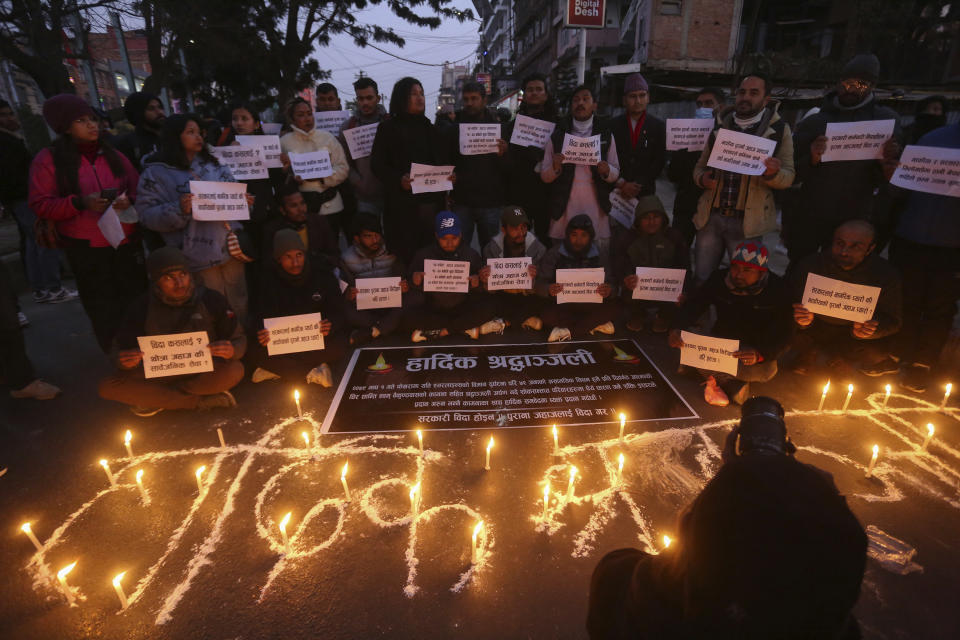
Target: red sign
pixel 588 14
pixel 486 80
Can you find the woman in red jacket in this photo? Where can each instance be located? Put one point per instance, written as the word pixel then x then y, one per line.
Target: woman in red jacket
pixel 76 182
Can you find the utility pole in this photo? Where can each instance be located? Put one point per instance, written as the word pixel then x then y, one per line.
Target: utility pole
pixel 582 57
pixel 186 80
pixel 122 47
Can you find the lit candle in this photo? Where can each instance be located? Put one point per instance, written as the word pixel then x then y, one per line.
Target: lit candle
pixel 119 589
pixel 127 437
pixel 873 460
pixel 666 542
pixel 106 469
pixel 25 527
pixel 823 396
pixel 220 435
pixel 573 475
pixel 415 500
pixel 546 500
pixel 929 437
pixel 283 532
pixel 946 396
pixel 200 471
pixel 886 397
pixel 556 442
pixel 474 552
pixel 623 423
pixel 143 491
pixel 620 469
pixel 486 465
pixel 306 439
pixel 343 480
pixel 420 439
pixel 296 398
pixel 62 577
pixel 849 395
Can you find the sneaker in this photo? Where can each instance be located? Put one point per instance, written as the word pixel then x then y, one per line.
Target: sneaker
pixel 887 366
pixel 37 390
pixel 22 319
pixel 222 400
pixel 473 333
pixel 261 375
pixel 419 335
pixel 915 377
pixel 714 395
pixel 559 334
pixel 606 328
pixel 62 295
pixel 497 325
pixel 144 412
pixel 533 323
pixel 321 375
pixel 40 296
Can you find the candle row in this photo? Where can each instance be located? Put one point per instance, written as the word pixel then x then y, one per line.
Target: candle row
pixel 886 397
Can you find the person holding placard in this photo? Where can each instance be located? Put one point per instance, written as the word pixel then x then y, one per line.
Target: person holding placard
pixel 519 306
pixel 407 137
pixel 435 314
pixel 831 192
pixel 176 304
pixel 166 206
pixel 314 232
pixel 736 207
pixel 368 258
pixel 753 307
pixel 652 242
pixel 295 285
pixel 641 141
pixel 580 319
pixel 367 189
pixel 851 259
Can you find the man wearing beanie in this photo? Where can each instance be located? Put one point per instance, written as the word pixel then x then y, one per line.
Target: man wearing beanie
pixel 579 319
pixel 145 112
pixel 831 192
pixel 176 304
pixel 368 257
pixel 753 306
pixel 315 232
pixel 641 141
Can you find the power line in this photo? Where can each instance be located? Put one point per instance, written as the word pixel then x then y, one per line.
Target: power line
pixel 425 64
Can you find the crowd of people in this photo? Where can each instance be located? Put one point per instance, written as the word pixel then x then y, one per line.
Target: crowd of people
pixel 308 241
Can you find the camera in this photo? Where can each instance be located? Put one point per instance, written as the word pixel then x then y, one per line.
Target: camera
pixel 762 431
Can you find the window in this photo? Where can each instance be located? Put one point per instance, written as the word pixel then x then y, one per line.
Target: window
pixel 671 7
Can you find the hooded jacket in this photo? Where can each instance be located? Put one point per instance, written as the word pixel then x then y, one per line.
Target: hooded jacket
pixel 532 247
pixel 298 141
pixel 444 300
pixel 560 256
pixel 666 249
pixel 365 184
pixel 356 264
pixel 316 291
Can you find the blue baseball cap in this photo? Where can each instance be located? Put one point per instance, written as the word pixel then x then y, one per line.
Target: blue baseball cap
pixel 447 223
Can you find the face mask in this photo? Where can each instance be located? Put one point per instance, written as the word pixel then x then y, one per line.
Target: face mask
pixel 703 112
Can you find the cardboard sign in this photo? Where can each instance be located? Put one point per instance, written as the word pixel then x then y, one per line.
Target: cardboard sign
pixel 219 200
pixel 360 140
pixel 110 227
pixel 330 121
pixel 659 284
pixel 509 273
pixel 478 138
pixel 688 134
pixel 378 293
pixel 293 334
pixel 704 352
pixel 623 210
pixel 451 276
pixel 175 354
pixel 838 299
pixel 857 140
pixel 580 285
pixel 740 152
pixel 312 165
pixel 269 146
pixel 426 178
pixel 271 128
pixel 245 162
pixel 531 132
pixel 584 151
pixel 929 169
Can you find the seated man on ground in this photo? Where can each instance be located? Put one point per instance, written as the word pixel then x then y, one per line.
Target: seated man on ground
pixel 516 306
pixel 295 284
pixel 753 306
pixel 368 257
pixel 577 251
pixel 850 258
pixel 175 303
pixel 314 230
pixel 435 314
pixel 652 243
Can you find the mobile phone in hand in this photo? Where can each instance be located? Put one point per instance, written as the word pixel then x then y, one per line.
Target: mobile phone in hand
pixel 109 194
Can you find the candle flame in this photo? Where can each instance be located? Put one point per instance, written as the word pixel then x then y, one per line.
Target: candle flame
pixel 849 388
pixel 140 476
pixel 414 490
pixel 490 444
pixel 876 450
pixel 67 569
pixel 949 388
pixel 25 527
pixel 623 418
pixel 929 431
pixel 283 523
pixel 573 473
pixel 546 493
pixel 103 463
pixel 666 542
pixel 343 474
pixel 887 389
pixel 476 531
pixel 420 435
pixel 296 395
pixel 554 433
pixel 117 578
pixel 200 471
pixel 127 437
pixel 826 387
pixel 306 438
pixel 620 466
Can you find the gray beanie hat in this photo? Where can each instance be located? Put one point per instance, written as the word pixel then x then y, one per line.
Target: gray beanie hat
pixel 865 66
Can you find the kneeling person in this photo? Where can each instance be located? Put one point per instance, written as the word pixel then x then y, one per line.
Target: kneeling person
pixel 516 306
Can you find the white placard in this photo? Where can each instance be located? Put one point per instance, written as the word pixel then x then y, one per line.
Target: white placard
pixel 740 152
pixel 110 227
pixel 269 146
pixel 293 334
pixel 704 352
pixel 175 354
pixel 580 285
pixel 585 151
pixel 450 276
pixel 330 121
pixel 245 162
pixel 312 165
pixel 688 134
pixel 271 128
pixel 929 169
pixel 427 178
pixel 838 299
pixel 857 140
pixel 219 200
pixel 478 138
pixel 659 284
pixel 623 210
pixel 509 273
pixel 531 132
pixel 378 293
pixel 360 140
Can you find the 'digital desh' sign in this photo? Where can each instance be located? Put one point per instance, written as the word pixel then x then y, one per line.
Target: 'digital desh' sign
pixel 588 14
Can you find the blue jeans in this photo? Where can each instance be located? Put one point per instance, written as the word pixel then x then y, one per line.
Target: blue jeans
pixel 719 234
pixel 487 220
pixel 42 265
